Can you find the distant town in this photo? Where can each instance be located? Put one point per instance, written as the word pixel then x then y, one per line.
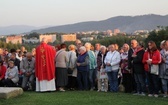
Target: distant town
pixel 84 36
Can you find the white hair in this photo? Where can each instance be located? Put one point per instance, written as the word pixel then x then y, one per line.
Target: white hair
pixel 162 42
pixel 83 48
pixel 101 47
pixel 87 44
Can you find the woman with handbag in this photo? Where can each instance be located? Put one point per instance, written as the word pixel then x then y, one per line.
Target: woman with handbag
pixel 100 70
pixel 61 68
pixel 112 61
pixel 72 71
pixel 151 60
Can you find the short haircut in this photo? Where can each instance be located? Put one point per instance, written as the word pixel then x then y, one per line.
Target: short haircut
pixel 83 48
pixel 63 45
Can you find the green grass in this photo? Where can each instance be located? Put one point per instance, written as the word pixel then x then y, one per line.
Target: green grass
pixel 82 98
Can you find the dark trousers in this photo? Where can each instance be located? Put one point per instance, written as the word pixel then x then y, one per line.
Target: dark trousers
pixel 140 82
pixel 9 83
pixel 128 82
pixel 153 83
pixel 1 83
pixel 82 78
pixel 71 82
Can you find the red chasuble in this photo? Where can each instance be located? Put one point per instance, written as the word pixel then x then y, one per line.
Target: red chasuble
pixel 45 66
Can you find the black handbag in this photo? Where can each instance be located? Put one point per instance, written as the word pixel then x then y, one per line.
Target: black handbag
pixel 70 70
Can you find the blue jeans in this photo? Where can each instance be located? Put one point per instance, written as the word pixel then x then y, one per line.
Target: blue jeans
pixel 113 80
pixel 153 83
pixel 82 78
pixel 165 85
pixel 140 82
pixel 91 78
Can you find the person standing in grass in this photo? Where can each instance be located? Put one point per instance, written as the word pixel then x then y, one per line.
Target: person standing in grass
pixel 45 68
pixel 139 73
pixel 163 73
pixel 100 69
pixel 112 60
pixel 152 57
pixel 92 65
pixel 61 67
pixel 126 74
pixel 82 68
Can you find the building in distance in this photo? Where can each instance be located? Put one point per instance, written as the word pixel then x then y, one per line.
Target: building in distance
pixel 68 37
pixel 14 39
pixel 51 37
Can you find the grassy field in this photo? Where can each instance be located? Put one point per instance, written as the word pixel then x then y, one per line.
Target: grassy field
pixel 82 98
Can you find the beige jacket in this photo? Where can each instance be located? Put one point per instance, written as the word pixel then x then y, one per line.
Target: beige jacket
pixel 72 62
pixel 61 59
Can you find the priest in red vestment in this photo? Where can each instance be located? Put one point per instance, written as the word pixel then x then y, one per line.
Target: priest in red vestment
pixel 45 67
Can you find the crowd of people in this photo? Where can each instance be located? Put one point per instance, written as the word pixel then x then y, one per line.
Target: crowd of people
pixel 141 71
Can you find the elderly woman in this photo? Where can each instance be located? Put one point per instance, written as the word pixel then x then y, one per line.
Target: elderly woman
pixel 92 65
pixel 82 68
pixel 72 67
pixel 112 61
pixel 2 73
pixel 101 65
pixel 127 76
pixel 11 75
pixel 61 68
pixel 163 73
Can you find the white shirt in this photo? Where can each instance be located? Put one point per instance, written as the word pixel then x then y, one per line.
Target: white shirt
pixel 113 58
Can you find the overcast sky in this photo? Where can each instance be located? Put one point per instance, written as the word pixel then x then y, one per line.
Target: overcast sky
pixel 60 12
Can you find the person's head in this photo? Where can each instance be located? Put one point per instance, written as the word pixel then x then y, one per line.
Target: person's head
pixel 45 40
pixel 29 55
pixel 12 50
pixel 92 48
pixel 1 62
pixel 121 50
pixel 82 50
pixel 166 45
pixel 97 46
pixel 77 41
pixel 125 47
pixel 20 54
pixel 11 63
pixel 23 49
pixel 57 47
pixel 103 49
pixel 113 47
pixel 88 46
pixel 140 46
pixel 71 47
pixel 33 51
pixel 152 46
pixel 1 51
pixel 13 56
pixel 134 43
pixel 63 46
pixel 116 46
pixel 162 44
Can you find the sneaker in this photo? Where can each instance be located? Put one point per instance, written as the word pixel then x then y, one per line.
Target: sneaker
pixel 165 95
pixel 136 94
pixel 143 94
pixel 61 90
pixel 156 95
pixel 98 90
pixel 105 90
pixel 150 95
